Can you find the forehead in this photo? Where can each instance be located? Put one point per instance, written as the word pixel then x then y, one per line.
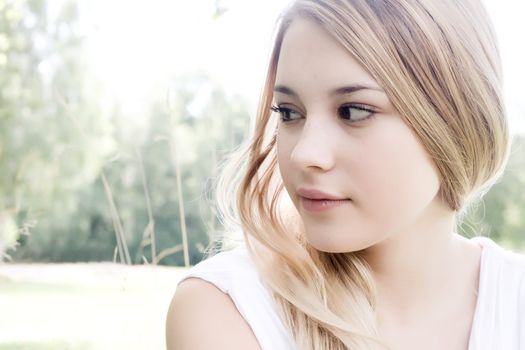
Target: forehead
pixel 310 55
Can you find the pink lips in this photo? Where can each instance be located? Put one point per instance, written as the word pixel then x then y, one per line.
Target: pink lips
pixel 316 201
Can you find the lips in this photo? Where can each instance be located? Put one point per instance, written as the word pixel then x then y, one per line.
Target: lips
pixel 314 201
pixel 318 195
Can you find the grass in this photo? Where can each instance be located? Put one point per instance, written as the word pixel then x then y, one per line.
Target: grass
pixel 85 306
pixel 49 345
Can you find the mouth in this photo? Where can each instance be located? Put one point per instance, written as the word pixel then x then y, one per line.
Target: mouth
pixel 316 201
pixel 317 205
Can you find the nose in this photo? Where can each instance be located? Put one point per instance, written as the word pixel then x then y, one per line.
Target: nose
pixel 314 149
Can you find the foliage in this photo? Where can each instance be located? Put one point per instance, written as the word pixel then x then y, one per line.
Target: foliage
pixel 202 136
pixel 46 97
pixel 500 214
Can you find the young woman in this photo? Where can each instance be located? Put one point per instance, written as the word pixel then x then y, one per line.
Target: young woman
pixel 383 121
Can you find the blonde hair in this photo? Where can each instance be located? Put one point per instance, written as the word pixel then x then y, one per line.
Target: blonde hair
pixel 439 65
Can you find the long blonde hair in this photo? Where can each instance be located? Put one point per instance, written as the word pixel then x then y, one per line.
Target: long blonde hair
pixel 439 64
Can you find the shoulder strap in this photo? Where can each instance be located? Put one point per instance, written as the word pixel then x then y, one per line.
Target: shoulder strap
pixel 234 273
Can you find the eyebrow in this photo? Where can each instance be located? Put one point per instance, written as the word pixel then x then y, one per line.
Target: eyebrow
pixel 339 91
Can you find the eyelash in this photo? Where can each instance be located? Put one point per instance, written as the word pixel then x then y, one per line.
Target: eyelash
pixel 282 110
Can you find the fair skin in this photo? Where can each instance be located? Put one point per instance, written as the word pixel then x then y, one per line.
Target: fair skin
pixel 389 209
pixel 199 305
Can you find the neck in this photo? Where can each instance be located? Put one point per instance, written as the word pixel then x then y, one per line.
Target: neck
pixel 417 265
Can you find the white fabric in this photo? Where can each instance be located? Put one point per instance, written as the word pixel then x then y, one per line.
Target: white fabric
pixel 234 273
pixel 499 319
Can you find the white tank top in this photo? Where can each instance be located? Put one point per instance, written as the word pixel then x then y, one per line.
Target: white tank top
pixel 499 319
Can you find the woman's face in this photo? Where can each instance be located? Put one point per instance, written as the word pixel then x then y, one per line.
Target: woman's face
pixel 341 138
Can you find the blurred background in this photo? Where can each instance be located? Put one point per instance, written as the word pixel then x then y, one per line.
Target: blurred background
pixel 114 117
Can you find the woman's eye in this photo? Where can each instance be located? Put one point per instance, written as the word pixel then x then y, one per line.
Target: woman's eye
pixel 287 114
pixel 354 113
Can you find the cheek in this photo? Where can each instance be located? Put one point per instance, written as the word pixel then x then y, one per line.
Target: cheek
pixel 284 147
pixel 398 178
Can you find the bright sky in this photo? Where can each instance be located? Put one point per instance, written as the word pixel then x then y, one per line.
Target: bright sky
pixel 136 46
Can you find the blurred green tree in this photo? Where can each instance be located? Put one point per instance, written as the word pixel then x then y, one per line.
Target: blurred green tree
pixel 53 136
pixel 198 124
pixel 501 213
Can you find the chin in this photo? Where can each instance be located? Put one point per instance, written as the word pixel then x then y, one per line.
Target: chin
pixel 332 242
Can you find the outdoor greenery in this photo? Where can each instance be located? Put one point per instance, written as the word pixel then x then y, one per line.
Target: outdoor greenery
pixel 66 161
pixel 85 306
pixel 79 182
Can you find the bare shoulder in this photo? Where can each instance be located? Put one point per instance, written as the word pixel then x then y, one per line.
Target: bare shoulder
pixel 202 317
